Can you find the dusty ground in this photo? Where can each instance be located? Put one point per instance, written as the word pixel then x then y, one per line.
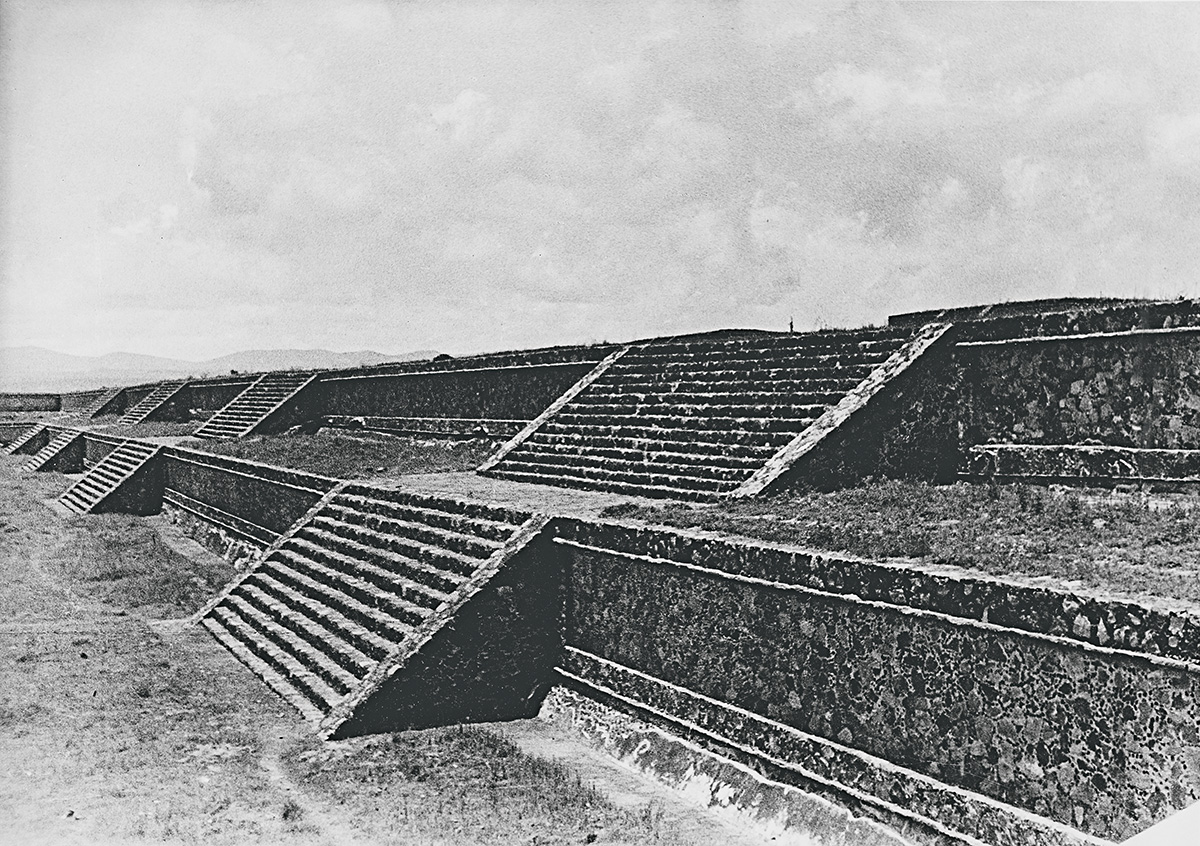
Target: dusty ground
pixel 116 727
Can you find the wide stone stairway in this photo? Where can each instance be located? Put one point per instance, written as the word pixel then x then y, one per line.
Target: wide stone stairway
pixel 254 405
pixel 693 419
pixel 361 583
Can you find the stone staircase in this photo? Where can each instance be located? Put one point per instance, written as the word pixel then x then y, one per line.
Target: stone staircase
pixel 362 581
pixel 152 401
pixel 694 418
pixel 102 481
pixel 60 441
pixel 22 440
pixel 255 404
pixel 98 405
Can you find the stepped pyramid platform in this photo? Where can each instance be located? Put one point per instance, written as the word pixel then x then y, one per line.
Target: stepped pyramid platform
pixel 29 441
pixel 45 457
pixel 693 418
pixel 251 408
pixel 101 403
pixel 383 610
pixel 101 489
pixel 151 402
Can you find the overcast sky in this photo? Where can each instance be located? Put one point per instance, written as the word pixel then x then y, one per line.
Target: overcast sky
pixel 194 178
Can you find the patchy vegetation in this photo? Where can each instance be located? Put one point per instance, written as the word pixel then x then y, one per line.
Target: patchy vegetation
pixel 123 561
pixel 1116 542
pixel 467 785
pixel 355 456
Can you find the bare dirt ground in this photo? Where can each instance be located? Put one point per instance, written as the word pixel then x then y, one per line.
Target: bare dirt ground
pixel 119 726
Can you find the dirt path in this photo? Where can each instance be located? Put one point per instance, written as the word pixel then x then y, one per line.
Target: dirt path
pixel 115 728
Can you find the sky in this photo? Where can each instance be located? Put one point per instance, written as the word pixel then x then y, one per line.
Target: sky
pixel 194 178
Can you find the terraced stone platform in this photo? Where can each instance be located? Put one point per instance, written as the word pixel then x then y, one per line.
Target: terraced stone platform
pixel 151 402
pixel 694 418
pixel 375 595
pixel 251 408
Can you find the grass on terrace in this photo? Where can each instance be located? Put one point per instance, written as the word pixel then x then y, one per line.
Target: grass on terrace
pixel 355 456
pixel 1114 542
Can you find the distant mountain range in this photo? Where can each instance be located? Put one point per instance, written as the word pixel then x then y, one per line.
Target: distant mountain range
pixel 35 369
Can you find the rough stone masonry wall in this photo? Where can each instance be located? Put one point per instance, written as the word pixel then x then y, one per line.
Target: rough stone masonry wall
pixel 268 497
pixel 1099 739
pixel 1133 390
pixel 498 393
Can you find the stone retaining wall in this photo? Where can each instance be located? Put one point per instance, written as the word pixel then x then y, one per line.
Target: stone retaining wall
pixel 1134 389
pixel 501 393
pixel 833 665
pixel 271 498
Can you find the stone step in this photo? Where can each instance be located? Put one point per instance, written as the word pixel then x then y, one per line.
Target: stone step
pixel 694 483
pixel 267 672
pixel 751 356
pixel 670 408
pixel 562 464
pixel 683 396
pixel 631 430
pixel 142 409
pixel 649 456
pixel 335 677
pixel 406 600
pixel 313 630
pixel 306 682
pixel 748 362
pixel 502 471
pixel 396 556
pixel 455 541
pixel 487 517
pixel 716 382
pixel 721 371
pixel 25 437
pixel 107 475
pixel 809 340
pixel 57 444
pixel 367 607
pixel 700 423
pixel 369 643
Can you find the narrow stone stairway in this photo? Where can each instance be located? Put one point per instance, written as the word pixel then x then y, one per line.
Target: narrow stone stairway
pixel 22 440
pixel 357 581
pixel 103 480
pixel 61 440
pixel 98 405
pixel 694 418
pixel 151 402
pixel 254 405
